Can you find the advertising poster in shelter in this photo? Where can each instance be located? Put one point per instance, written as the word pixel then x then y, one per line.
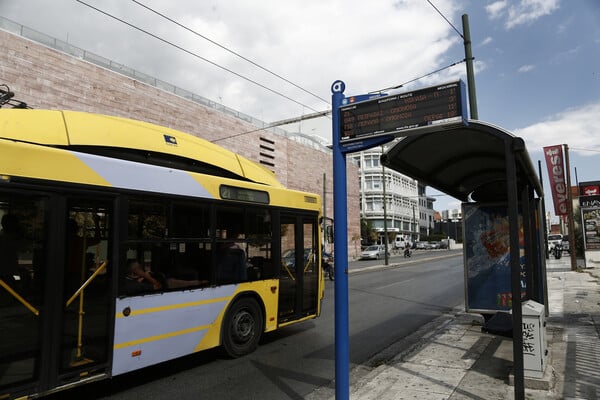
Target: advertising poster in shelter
pixel 589 201
pixel 487 257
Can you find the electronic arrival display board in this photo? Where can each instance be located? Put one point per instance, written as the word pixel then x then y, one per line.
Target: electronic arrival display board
pixel 395 114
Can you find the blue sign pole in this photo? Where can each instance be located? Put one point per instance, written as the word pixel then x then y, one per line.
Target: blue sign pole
pixel 340 220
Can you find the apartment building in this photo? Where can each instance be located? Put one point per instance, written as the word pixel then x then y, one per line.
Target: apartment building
pixel 404 202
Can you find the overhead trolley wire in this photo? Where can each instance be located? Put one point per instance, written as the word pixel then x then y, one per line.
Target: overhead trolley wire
pixel 229 50
pixel 443 16
pixel 437 70
pixel 195 55
pixel 420 77
pixel 377 91
pixel 583 149
pixel 254 63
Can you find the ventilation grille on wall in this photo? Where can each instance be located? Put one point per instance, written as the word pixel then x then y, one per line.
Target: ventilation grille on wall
pixel 267 153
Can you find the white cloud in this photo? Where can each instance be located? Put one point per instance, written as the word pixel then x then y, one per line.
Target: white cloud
pixel 528 11
pixel 567 55
pixel 310 43
pixel 526 68
pixel 577 127
pixel 496 9
pixel 524 12
pixel 486 41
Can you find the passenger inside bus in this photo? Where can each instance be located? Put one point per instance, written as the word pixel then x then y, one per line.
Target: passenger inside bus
pixel 137 280
pixel 231 263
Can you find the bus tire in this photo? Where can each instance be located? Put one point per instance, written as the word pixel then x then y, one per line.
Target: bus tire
pixel 242 327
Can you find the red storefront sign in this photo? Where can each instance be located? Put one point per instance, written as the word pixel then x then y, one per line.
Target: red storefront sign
pixel 590 190
pixel 556 173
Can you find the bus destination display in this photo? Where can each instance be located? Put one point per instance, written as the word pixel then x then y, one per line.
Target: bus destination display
pixel 442 104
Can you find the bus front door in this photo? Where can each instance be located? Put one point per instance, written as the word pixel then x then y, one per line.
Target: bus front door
pixel 54 317
pixel 23 245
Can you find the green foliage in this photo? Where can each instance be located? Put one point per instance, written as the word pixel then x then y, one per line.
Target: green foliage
pixel 366 231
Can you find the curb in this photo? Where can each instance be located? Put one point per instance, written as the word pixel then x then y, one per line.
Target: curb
pixel 400 264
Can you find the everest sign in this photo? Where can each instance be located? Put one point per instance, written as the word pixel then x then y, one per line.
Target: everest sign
pixel 556 173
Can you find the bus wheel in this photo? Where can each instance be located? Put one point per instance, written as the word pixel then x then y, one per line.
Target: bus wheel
pixel 242 327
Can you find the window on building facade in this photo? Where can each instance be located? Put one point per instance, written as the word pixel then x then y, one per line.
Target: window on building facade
pixel 371 160
pixel 374 205
pixel 372 182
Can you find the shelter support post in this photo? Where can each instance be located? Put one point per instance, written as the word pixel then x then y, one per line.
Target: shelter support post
pixel 515 269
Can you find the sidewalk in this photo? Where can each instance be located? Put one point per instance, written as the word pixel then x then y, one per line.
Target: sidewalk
pixel 451 358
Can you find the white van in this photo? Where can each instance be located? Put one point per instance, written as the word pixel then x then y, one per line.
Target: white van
pixel 399 243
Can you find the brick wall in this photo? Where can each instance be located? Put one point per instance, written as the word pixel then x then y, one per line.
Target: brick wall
pixel 45 78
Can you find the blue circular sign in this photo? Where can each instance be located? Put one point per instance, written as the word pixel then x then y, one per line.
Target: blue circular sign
pixel 338 87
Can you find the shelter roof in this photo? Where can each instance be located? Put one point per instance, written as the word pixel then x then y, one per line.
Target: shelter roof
pixel 466 162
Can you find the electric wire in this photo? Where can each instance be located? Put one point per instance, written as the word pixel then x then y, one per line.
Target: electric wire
pixel 229 50
pixel 420 77
pixel 195 55
pixel 443 16
pixel 251 62
pixel 377 91
pixel 582 149
pixel 244 133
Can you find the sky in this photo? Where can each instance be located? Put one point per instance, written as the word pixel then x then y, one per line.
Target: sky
pixel 537 62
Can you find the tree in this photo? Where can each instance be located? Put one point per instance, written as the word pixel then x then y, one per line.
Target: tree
pixel 355 239
pixel 367 233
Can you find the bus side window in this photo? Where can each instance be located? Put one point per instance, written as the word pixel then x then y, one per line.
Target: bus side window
pixel 231 264
pixel 188 265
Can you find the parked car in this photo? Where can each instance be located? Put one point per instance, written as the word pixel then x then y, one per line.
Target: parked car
pixel 289 258
pixel 373 252
pixel 422 245
pixel 434 245
pixel 553 240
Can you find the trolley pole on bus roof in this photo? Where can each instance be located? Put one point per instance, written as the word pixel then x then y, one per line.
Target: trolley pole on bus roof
pixel 340 218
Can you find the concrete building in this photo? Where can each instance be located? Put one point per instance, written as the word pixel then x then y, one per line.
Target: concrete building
pixel 452 215
pixel 426 212
pixel 402 205
pixel 47 73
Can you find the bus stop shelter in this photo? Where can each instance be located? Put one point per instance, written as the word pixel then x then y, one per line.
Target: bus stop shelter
pixel 479 162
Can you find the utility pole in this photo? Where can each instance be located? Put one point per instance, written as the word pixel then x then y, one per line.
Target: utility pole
pixel 470 71
pixel 570 221
pixel 415 225
pixel 385 234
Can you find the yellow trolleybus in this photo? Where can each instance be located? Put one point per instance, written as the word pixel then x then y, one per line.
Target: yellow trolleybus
pixel 125 244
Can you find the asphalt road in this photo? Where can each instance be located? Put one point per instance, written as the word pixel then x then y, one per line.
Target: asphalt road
pixel 386 303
